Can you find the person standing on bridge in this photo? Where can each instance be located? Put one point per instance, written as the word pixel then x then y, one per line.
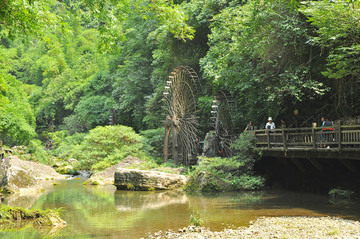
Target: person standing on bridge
pixel 270 124
pixel 249 127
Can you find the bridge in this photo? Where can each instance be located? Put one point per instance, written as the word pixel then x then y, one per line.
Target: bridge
pixel 335 142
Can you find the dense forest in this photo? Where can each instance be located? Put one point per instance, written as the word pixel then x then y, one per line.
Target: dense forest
pixel 67 67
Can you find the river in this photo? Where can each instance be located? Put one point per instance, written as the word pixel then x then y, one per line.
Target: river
pixel 103 212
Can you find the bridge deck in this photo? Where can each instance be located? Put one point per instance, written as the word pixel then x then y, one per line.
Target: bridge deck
pixel 341 142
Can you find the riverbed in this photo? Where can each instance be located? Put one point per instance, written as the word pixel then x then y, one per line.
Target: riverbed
pixel 102 212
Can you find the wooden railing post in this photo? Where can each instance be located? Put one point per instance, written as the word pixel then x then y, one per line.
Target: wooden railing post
pixel 268 137
pixel 284 139
pixel 313 138
pixel 339 135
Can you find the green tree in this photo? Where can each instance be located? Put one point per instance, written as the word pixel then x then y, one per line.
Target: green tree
pixel 108 144
pixel 337 28
pixel 259 52
pixel 17 121
pixel 28 17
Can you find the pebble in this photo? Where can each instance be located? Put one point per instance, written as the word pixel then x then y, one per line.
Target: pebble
pixel 276 227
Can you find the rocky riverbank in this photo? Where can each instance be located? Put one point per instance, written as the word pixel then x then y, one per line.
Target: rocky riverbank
pixel 21 176
pixel 276 227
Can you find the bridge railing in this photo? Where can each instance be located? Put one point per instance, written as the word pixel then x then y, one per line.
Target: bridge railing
pixel 344 136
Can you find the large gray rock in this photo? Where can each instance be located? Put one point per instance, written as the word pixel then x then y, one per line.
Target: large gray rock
pixel 17 179
pixel 106 177
pixel 133 179
pixel 20 176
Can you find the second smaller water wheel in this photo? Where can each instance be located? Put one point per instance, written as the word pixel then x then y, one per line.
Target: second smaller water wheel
pixel 222 121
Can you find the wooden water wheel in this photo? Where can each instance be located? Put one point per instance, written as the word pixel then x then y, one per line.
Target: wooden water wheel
pixel 222 121
pixel 181 96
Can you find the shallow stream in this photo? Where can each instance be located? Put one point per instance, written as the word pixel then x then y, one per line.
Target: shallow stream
pixel 103 212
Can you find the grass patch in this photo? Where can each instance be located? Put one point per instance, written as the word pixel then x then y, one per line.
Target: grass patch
pixel 333 232
pixel 130 187
pixel 196 221
pixel 95 183
pixel 46 217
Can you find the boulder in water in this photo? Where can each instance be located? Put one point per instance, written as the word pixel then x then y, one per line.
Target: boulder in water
pixel 141 180
pixel 106 177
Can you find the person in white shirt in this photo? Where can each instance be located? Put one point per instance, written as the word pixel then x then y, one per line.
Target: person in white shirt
pixel 270 124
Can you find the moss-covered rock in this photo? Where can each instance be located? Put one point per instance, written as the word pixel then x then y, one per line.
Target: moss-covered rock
pixel 34 216
pixel 207 182
pixel 67 169
pixel 133 179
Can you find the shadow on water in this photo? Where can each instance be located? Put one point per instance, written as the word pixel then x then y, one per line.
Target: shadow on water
pixel 103 212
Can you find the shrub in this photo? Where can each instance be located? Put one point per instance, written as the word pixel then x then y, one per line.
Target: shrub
pixel 109 144
pixel 221 174
pixel 73 124
pixel 247 182
pixel 33 151
pixel 57 137
pixel 245 151
pixel 69 145
pixel 100 166
pixel 196 221
pixel 153 140
pixel 228 174
pixel 340 193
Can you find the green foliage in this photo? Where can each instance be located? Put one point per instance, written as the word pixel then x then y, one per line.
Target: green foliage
pixel 100 58
pixel 147 165
pixel 223 174
pixel 103 146
pixel 245 143
pixel 40 217
pixel 220 166
pixel 245 150
pixel 100 166
pixel 173 19
pixel 132 73
pixel 17 121
pixel 196 221
pixel 73 124
pixel 37 152
pixel 259 52
pixel 333 232
pixel 153 140
pixel 338 30
pixel 340 193
pixel 34 151
pixel 57 137
pixel 94 110
pixel 130 187
pixel 67 169
pixel 228 174
pixel 247 182
pixel 69 145
pixel 19 17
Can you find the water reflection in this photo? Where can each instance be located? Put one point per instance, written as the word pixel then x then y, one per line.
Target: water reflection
pixel 103 212
pixel 143 201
